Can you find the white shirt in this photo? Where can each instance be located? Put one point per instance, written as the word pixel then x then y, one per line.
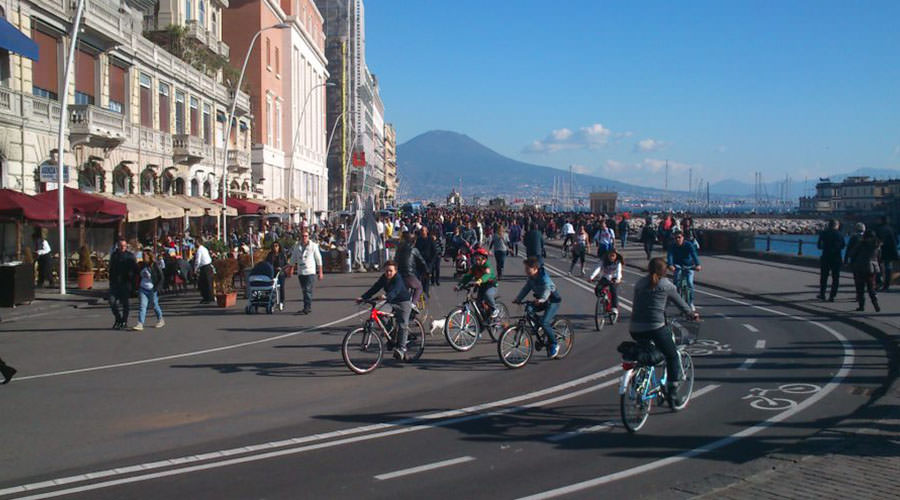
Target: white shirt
pixel 568 228
pixel 44 249
pixel 308 259
pixel 610 272
pixel 201 258
pixel 380 226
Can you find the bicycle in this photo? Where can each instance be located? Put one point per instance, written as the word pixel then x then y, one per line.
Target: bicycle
pixel 363 348
pixel 644 380
pixel 603 311
pixel 518 342
pixel 464 324
pixel 681 283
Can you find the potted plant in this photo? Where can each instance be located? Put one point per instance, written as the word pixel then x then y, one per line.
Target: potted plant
pixel 225 268
pixel 85 269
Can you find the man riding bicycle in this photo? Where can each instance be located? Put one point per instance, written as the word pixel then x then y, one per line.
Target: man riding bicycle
pixel 396 293
pixel 483 276
pixel 547 298
pixel 682 259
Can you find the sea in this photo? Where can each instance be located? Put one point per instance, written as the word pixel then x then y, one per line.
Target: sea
pixel 789 243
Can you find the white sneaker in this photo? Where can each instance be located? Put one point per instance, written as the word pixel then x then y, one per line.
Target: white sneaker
pixel 159 324
pixel 138 327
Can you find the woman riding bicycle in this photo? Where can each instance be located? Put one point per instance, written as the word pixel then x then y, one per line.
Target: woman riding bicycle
pixel 648 316
pixel 546 296
pixel 398 296
pixel 482 275
pixel 610 272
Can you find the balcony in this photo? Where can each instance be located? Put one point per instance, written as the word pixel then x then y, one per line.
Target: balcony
pixel 95 126
pixel 224 50
pixel 197 32
pixel 187 149
pixel 9 105
pixel 238 161
pixel 154 141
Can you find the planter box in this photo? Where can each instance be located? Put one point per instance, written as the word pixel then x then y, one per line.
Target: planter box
pixel 226 299
pixel 85 280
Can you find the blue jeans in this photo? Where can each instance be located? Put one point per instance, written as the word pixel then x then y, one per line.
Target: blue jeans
pixel 488 295
pixel 547 322
pixel 689 277
pixel 151 297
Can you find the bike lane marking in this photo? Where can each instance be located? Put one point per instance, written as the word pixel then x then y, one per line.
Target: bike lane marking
pixel 761 344
pixel 847 362
pixel 747 364
pixel 423 468
pixel 339 437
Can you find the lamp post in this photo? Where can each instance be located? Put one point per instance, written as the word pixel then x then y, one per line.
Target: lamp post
pixel 286 24
pixel 294 147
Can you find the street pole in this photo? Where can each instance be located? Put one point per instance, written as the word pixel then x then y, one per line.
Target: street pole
pixel 60 151
pixel 294 148
pixel 237 89
pixel 328 146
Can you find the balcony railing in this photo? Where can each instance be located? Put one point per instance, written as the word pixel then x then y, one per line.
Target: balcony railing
pixel 155 141
pixel 96 126
pixel 187 148
pixel 197 32
pixel 224 50
pixel 238 161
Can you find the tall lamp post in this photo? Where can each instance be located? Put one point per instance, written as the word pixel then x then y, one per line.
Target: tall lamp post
pixel 294 147
pixel 286 24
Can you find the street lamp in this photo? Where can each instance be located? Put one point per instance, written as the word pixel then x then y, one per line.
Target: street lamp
pixel 286 24
pixel 294 147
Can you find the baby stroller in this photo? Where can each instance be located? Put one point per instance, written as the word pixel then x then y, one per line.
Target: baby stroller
pixel 263 289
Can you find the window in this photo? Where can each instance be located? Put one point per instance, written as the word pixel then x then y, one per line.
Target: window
pixel 207 188
pixel 84 77
pixel 179 112
pixel 148 181
pixel 188 14
pixel 207 124
pixel 202 8
pixel 45 79
pixel 268 54
pixel 116 87
pixel 277 63
pixel 195 187
pixel 269 121
pixel 214 27
pixel 195 117
pixel 165 120
pixel 278 124
pixel 121 180
pixel 146 101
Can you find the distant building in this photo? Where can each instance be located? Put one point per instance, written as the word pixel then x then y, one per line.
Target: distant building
pixel 603 202
pixel 454 199
pixel 853 196
pixel 390 164
pixel 497 203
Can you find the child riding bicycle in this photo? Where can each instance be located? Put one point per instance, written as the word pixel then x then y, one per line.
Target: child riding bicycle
pixel 482 275
pixel 396 293
pixel 610 272
pixel 547 297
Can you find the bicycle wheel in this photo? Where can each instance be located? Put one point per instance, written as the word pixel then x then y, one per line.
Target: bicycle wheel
pixel 565 336
pixel 461 329
pixel 362 350
pixel 415 345
pixel 634 408
pixel 499 322
pixel 600 313
pixel 680 399
pixel 515 347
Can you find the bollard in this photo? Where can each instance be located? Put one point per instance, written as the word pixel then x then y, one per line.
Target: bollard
pixel 768 243
pixel 799 247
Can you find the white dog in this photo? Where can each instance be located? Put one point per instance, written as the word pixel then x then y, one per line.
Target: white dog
pixel 437 325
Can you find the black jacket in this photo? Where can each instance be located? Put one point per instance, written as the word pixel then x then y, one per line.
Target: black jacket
pixel 409 259
pixel 278 260
pixel 534 243
pixel 831 243
pixel 122 269
pixel 395 289
pixel 427 249
pixel 888 242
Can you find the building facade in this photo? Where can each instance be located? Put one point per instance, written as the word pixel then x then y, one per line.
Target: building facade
pixel 390 164
pixel 853 196
pixel 142 119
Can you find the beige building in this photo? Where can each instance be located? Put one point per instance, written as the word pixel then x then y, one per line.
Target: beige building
pixel 860 195
pixel 140 119
pixel 604 202
pixel 390 164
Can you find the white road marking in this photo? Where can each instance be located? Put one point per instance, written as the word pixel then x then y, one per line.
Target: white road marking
pixel 723 315
pixel 703 390
pixel 836 381
pixel 340 436
pixel 423 468
pixel 747 364
pixel 192 353
pixel 751 327
pixel 761 344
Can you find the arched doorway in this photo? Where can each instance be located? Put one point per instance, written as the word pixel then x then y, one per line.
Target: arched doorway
pixel 92 178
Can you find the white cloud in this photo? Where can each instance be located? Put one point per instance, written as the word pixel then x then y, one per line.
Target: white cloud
pixel 582 169
pixel 647 145
pixel 591 137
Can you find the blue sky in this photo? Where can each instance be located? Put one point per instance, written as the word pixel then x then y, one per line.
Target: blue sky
pixel 805 88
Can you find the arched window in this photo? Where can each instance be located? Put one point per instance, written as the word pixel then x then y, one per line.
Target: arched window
pixel 92 178
pixel 168 182
pixel 235 185
pixel 179 185
pixel 195 187
pixel 207 189
pixel 122 180
pixel 246 187
pixel 148 181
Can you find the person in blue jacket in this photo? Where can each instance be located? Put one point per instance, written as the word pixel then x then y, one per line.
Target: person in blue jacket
pixel 682 258
pixel 396 293
pixel 546 296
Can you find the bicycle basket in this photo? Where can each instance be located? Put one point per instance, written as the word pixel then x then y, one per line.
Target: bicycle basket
pixel 685 332
pixel 644 355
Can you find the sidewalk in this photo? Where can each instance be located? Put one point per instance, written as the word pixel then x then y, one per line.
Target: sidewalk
pixel 858 457
pixel 48 300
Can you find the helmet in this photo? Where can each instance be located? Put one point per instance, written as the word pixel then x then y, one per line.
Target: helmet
pixel 481 252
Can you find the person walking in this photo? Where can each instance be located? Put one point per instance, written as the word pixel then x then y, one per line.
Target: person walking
pixel 831 242
pixel 435 274
pixel 623 230
pixel 580 247
pixel 6 371
pixel 864 257
pixel 426 248
pixel 648 236
pixel 605 239
pixel 204 270
pixel 500 245
pixel 534 244
pixel 148 291
pixel 515 236
pixel 278 260
pixel 888 239
pixel 308 259
pixel 44 258
pixel 122 272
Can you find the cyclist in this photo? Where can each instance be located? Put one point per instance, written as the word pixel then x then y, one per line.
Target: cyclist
pixel 547 298
pixel 568 235
pixel 610 272
pixel 682 258
pixel 648 316
pixel 396 293
pixel 483 276
pixel 580 247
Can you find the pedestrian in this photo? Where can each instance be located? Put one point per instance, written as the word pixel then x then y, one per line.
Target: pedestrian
pixel 308 259
pixel 44 258
pixel 427 249
pixel 148 291
pixel 6 371
pixel 122 272
pixel 278 260
pixel 864 257
pixel 580 247
pixel 605 239
pixel 648 236
pixel 534 244
pixel 435 274
pixel 831 242
pixel 888 239
pixel 500 245
pixel 515 236
pixel 623 230
pixel 204 270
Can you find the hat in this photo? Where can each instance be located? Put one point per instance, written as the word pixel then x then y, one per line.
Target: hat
pixel 860 226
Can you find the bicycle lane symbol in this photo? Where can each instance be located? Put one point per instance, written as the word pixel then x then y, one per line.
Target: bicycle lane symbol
pixel 707 347
pixel 760 400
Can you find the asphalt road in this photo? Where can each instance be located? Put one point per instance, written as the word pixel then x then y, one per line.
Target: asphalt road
pixel 219 404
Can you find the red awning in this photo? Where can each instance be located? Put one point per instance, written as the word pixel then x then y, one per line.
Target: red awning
pixel 244 207
pixel 94 208
pixel 16 205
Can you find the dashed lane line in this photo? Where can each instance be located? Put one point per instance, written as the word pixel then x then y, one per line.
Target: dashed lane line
pixel 747 364
pixel 751 327
pixel 424 468
pixel 761 344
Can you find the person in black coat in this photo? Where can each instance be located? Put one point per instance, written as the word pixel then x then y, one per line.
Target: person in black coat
pixel 435 274
pixel 888 251
pixel 278 260
pixel 426 247
pixel 534 244
pixel 408 260
pixel 122 273
pixel 864 257
pixel 831 242
pixel 7 372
